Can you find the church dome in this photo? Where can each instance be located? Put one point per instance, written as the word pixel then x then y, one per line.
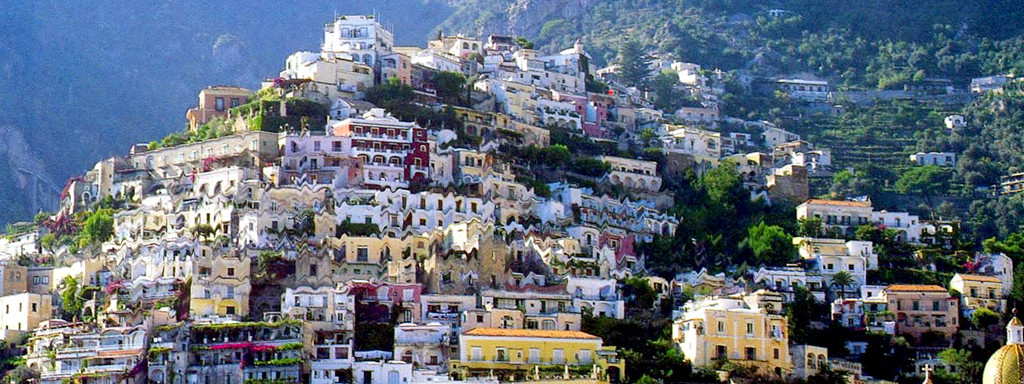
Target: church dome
pixel 1004 367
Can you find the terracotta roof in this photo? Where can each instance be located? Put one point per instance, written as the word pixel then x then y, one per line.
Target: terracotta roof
pixel 989 279
pixel 915 288
pixel 845 203
pixel 548 334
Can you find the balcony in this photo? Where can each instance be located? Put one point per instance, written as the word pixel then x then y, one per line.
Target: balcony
pixel 106 368
pixel 385 165
pixel 370 136
pixel 442 315
pixel 379 151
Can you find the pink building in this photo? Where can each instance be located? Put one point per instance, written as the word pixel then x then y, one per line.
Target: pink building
pixel 379 301
pixel 215 101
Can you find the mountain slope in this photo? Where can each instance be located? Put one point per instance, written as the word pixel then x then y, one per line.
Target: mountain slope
pixel 81 81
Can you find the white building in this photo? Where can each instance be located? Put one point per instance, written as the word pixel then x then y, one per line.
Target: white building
pixel 784 280
pixel 954 122
pixel 361 36
pixel 599 295
pixel 942 159
pixel 806 90
pixel 772 135
pixel 909 226
pixel 424 345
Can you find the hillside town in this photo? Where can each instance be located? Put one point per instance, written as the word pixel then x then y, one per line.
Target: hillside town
pixel 477 211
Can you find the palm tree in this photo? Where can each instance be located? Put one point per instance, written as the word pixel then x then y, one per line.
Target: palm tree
pixel 842 279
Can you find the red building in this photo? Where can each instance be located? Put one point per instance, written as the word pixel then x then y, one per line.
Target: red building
pixel 394 153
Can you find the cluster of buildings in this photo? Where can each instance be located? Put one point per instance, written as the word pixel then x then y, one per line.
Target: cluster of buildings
pixel 377 250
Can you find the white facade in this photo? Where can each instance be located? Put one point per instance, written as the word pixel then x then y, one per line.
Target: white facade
pixel 942 159
pixel 910 226
pixel 361 36
pixel 599 295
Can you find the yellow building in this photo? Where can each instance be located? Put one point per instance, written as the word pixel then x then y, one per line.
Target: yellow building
pixel 977 291
pixel 534 355
pixel 747 330
pixel 220 284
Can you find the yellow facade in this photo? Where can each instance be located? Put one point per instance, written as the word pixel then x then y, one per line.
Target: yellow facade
pixel 978 291
pixel 220 285
pixel 742 331
pixel 532 355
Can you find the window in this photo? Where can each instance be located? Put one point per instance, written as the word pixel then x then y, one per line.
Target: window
pixel 235 102
pixel 721 327
pixel 750 329
pixel 477 354
pixel 751 353
pixel 34 308
pixel 721 352
pixel 231 293
pixel 362 254
pixel 935 305
pixel 479 318
pixel 850 267
pixel 775 353
pixel 230 310
pixel 312 270
pixel 219 104
pixel 231 271
pixel 558 356
pixel 501 354
pixel 916 305
pixel 534 355
pixel 583 356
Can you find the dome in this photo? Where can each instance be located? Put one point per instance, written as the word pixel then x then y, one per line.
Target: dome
pixel 1004 367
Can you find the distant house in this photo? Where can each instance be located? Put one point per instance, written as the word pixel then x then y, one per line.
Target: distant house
pixel 942 159
pixel 954 122
pixel 215 101
pixel 989 84
pixel 806 90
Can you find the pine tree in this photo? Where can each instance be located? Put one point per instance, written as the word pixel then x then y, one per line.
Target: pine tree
pixel 634 64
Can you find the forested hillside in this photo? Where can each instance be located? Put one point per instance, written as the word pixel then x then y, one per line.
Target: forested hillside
pixel 881 43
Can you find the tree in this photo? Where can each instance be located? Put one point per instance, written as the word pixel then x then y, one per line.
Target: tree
pixel 982 318
pixel 827 375
pixel 21 374
pixel 71 303
pixel 799 314
pixel 967 368
pixel 842 279
pixel 202 231
pixel 48 241
pixel 924 181
pixel 99 226
pixel 809 227
pixel 524 43
pixel 450 87
pixel 770 244
pixel 1012 246
pixel 633 64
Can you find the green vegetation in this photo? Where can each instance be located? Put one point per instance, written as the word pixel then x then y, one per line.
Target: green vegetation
pixel 283 361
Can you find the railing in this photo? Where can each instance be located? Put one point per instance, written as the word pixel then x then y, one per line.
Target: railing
pixel 379 136
pixel 381 150
pixel 106 368
pixel 386 165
